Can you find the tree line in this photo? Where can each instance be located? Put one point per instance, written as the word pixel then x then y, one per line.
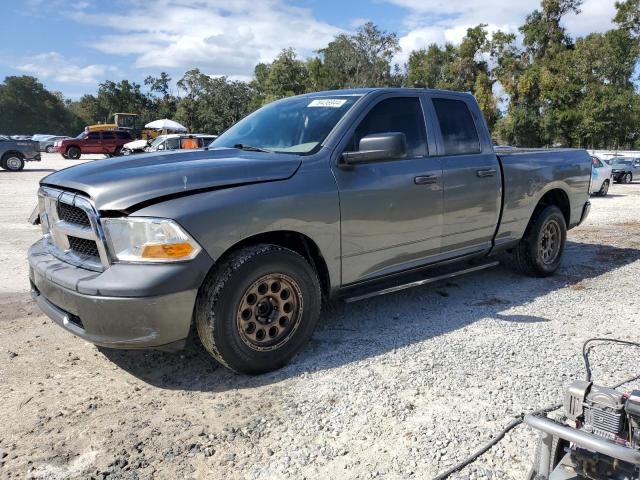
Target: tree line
pixel 539 88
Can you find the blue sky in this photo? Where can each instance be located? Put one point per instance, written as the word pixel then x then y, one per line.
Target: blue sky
pixel 71 46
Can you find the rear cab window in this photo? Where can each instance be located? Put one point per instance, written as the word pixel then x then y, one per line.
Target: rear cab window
pixel 459 133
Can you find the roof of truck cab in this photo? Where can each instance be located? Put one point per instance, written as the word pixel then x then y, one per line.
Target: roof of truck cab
pixel 365 91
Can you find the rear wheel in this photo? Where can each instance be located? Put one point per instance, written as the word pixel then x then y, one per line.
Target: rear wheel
pixel 73 153
pixel 539 253
pixel 258 308
pixel 12 162
pixel 604 189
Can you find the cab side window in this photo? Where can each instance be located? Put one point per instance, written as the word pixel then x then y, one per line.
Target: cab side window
pixel 108 135
pixel 172 143
pixel 93 136
pixel 459 132
pixel 401 114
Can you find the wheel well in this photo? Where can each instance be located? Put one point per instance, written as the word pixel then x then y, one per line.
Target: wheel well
pixel 12 152
pixel 71 146
pixel 297 242
pixel 560 199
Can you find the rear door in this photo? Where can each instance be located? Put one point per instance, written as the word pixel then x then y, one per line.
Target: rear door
pixel 92 144
pixel 471 176
pixel 108 142
pixel 391 211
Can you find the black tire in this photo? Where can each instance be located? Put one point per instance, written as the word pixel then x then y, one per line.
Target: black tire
pixel 220 308
pixel 628 178
pixel 604 189
pixel 13 162
pixel 117 152
pixel 530 254
pixel 49 149
pixel 73 153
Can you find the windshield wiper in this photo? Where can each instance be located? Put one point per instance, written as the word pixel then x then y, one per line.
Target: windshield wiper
pixel 249 148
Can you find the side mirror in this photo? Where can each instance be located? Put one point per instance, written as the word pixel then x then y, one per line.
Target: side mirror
pixel 378 147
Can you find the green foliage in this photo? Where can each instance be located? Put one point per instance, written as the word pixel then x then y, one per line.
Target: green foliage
pixel 547 89
pixel 27 108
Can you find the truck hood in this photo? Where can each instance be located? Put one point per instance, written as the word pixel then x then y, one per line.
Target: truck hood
pixel 119 184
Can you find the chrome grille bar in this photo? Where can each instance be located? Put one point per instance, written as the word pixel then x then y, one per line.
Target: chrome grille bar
pixel 57 231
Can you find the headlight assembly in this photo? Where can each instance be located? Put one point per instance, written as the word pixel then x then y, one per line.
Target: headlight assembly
pixel 146 239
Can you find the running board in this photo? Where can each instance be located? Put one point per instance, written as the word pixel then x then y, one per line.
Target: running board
pixel 355 296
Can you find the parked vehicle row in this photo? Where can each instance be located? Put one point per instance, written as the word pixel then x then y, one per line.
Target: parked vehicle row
pixel 346 194
pixel 169 142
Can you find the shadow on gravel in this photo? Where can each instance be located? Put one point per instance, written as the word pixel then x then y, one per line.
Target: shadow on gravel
pixel 352 332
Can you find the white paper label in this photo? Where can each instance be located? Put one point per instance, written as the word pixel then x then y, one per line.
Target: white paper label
pixel 327 102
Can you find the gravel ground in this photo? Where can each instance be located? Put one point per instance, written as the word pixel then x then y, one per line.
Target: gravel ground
pixel 395 387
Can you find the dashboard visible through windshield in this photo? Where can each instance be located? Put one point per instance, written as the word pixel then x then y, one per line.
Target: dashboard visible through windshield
pixel 295 125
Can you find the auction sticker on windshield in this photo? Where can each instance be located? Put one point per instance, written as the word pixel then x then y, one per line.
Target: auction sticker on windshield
pixel 327 102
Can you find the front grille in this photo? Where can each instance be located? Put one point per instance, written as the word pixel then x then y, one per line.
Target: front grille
pixel 73 214
pixel 71 226
pixel 83 246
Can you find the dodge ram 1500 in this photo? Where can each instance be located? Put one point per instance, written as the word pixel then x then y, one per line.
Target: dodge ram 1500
pixel 341 194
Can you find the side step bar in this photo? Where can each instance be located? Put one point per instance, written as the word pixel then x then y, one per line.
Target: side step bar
pixel 362 293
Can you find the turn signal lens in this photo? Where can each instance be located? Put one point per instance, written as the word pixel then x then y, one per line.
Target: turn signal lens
pixel 176 250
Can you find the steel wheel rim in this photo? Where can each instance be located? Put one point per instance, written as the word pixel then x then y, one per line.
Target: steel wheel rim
pixel 550 240
pixel 269 312
pixel 605 188
pixel 13 163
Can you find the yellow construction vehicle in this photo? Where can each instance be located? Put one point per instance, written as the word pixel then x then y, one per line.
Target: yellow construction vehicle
pixel 125 121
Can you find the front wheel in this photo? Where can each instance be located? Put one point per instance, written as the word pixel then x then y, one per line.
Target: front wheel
pixel 258 308
pixel 12 162
pixel 49 149
pixel 539 253
pixel 73 153
pixel 628 178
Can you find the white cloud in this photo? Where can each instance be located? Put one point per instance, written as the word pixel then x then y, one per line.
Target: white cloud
pixel 53 65
pixel 451 20
pixel 219 37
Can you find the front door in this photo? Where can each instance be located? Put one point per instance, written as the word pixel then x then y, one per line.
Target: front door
pixel 92 143
pixel 471 178
pixel 391 211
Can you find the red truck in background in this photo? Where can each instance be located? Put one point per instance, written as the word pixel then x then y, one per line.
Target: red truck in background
pixel 107 142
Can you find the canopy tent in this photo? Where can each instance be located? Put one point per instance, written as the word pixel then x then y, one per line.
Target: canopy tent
pixel 166 124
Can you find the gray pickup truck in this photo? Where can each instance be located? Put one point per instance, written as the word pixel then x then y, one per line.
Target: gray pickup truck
pixel 343 194
pixel 13 153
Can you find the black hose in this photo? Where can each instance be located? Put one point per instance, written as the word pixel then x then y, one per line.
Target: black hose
pixel 520 418
pixel 586 348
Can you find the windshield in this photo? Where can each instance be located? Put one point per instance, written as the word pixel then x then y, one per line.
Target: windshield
pixel 622 161
pixel 82 135
pixel 294 125
pixel 157 141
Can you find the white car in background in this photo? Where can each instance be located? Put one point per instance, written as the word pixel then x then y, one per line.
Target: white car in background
pixel 601 173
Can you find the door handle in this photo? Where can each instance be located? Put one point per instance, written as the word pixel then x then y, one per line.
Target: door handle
pixel 425 179
pixel 486 173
